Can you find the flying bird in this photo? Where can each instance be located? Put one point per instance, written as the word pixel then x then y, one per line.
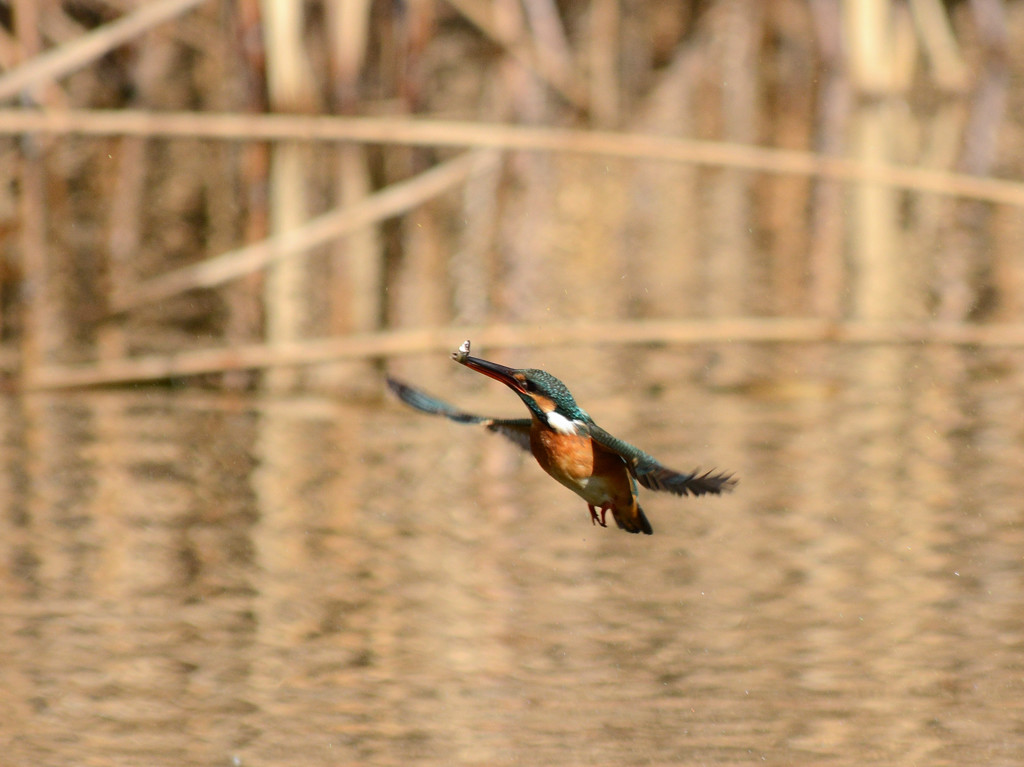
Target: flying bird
pixel 600 468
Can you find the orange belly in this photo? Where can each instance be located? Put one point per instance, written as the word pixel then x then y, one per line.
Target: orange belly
pixel 598 476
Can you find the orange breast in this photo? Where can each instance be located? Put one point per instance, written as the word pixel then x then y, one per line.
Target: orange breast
pixel 595 474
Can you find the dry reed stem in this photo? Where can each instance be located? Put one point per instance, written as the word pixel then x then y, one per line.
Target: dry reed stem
pixel 67 58
pixel 877 284
pixel 881 48
pixel 443 133
pixel 559 78
pixel 290 87
pixel 603 53
pixel 348 29
pixel 936 34
pixel 828 202
pixel 392 201
pixel 550 38
pixel 867 31
pixel 44 329
pixel 390 343
pixel 356 266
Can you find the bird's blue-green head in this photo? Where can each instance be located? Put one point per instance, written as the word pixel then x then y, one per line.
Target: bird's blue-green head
pixel 547 398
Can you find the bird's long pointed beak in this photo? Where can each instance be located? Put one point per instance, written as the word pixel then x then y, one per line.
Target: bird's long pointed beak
pixel 493 370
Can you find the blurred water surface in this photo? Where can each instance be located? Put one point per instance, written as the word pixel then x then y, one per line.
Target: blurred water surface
pixel 195 579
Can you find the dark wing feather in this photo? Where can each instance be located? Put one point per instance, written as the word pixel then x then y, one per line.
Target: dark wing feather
pixel 515 429
pixel 654 476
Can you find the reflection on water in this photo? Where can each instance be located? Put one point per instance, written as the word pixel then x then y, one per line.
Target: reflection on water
pixel 197 580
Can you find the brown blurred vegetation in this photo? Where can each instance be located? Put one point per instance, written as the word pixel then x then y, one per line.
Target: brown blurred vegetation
pixel 221 187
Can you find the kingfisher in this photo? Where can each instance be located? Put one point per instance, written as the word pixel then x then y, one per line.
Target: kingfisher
pixel 600 468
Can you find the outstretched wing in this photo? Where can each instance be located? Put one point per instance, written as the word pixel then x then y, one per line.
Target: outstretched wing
pixel 654 476
pixel 516 429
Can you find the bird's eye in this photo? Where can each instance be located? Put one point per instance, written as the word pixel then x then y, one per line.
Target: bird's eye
pixel 528 386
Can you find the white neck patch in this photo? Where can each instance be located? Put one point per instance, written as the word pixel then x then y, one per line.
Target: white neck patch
pixel 560 423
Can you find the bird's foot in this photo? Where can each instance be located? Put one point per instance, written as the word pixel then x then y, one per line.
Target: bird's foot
pixel 604 511
pixel 594 519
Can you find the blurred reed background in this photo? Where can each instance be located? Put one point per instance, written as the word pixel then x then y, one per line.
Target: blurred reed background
pixel 272 193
